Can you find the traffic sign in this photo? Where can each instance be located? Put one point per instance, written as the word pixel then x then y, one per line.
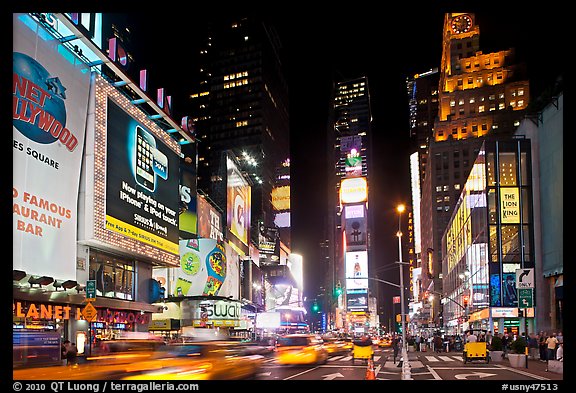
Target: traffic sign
pixel 525 299
pixel 89 312
pixel 91 290
pixel 525 278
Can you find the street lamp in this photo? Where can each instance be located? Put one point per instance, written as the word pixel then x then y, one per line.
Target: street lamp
pixel 406 367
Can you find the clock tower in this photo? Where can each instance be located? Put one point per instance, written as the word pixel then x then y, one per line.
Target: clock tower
pixel 461 38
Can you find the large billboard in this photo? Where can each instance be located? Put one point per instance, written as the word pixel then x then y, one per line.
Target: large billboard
pixel 210 224
pixel 357 300
pixel 188 221
pixel 142 198
pixel 49 109
pixel 356 270
pixel 237 203
pixel 353 190
pixel 355 227
pixel 207 268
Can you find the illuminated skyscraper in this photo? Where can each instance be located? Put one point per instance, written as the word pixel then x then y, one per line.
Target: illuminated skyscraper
pixel 241 104
pixel 349 222
pixel 480 95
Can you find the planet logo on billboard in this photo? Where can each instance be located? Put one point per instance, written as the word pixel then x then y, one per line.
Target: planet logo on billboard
pixel 190 263
pixel 38 109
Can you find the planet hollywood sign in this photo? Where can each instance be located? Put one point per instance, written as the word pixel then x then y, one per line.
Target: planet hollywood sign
pixel 55 311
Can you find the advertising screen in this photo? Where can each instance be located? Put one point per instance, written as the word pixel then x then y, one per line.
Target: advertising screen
pixel 188 221
pixel 49 110
pixel 268 320
pixel 357 269
pixel 207 267
pixel 356 227
pixel 357 300
pixel 353 190
pixel 238 202
pixel 142 198
pixel 210 223
pixel 281 198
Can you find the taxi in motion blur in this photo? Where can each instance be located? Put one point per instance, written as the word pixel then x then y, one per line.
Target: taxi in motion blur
pixel 295 349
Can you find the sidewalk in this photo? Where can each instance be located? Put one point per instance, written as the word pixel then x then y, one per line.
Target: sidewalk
pixel 534 366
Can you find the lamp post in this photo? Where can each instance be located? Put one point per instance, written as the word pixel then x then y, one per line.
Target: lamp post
pixel 405 365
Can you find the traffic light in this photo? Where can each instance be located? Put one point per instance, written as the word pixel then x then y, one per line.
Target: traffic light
pixel 315 307
pixel 338 289
pixel 465 299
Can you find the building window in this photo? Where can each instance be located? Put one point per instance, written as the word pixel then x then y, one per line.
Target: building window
pixel 472 100
pixel 520 92
pixel 480 108
pixel 452 103
pixel 461 101
pixel 114 276
pixel 501 106
pixel 438 188
pixel 445 188
pixel 457 186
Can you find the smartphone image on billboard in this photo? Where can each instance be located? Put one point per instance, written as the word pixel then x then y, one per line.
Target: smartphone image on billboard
pixel 160 164
pixel 145 147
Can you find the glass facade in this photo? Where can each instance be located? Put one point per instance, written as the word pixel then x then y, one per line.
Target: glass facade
pixel 490 234
pixel 114 276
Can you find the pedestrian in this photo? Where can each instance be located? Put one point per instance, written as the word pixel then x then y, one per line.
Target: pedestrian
pixel 542 346
pixel 551 343
pixel 506 341
pixel 472 338
pixel 72 355
pixel 396 346
pixel 438 344
pixel 489 337
pixel 63 349
pixel 560 352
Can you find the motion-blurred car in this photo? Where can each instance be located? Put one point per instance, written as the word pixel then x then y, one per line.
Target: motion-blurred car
pixel 336 346
pixel 300 349
pixel 209 360
pixel 385 342
pixel 110 362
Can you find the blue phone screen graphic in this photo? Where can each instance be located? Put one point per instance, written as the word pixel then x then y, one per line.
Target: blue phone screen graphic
pixel 160 164
pixel 144 159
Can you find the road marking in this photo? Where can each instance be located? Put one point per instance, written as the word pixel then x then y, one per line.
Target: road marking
pixel 335 358
pixel 347 358
pixel 523 372
pixel 434 373
pixel 474 374
pixel 376 358
pixel 377 369
pixel 303 372
pixel 327 377
pixel 432 358
pixel 457 358
pixel 446 358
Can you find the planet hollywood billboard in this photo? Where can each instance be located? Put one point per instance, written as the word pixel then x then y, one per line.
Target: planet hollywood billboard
pixel 49 108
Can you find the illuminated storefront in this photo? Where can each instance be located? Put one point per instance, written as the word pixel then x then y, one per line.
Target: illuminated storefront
pixel 488 241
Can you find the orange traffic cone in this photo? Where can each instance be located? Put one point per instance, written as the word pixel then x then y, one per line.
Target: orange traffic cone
pixel 370 374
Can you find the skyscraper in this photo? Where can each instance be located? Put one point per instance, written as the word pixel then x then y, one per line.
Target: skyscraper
pixel 240 104
pixel 479 95
pixel 349 221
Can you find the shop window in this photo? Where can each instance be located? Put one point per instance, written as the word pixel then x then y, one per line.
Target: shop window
pixel 511 243
pixel 114 276
pixel 507 169
pixel 493 243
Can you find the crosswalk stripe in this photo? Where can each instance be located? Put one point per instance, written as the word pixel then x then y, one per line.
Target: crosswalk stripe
pixel 458 358
pixel 446 358
pixel 376 358
pixel 431 358
pixel 347 358
pixel 335 358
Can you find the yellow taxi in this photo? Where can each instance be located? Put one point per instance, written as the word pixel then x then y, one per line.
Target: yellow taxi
pixel 210 360
pixel 294 349
pixel 385 342
pixel 336 346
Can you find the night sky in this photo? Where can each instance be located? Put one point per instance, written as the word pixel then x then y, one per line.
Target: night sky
pixel 320 46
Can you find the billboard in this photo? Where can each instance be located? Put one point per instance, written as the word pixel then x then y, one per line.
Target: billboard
pixel 357 300
pixel 210 223
pixel 269 245
pixel 237 203
pixel 281 198
pixel 49 111
pixel 353 190
pixel 207 267
pixel 188 215
pixel 356 227
pixel 356 270
pixel 142 199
